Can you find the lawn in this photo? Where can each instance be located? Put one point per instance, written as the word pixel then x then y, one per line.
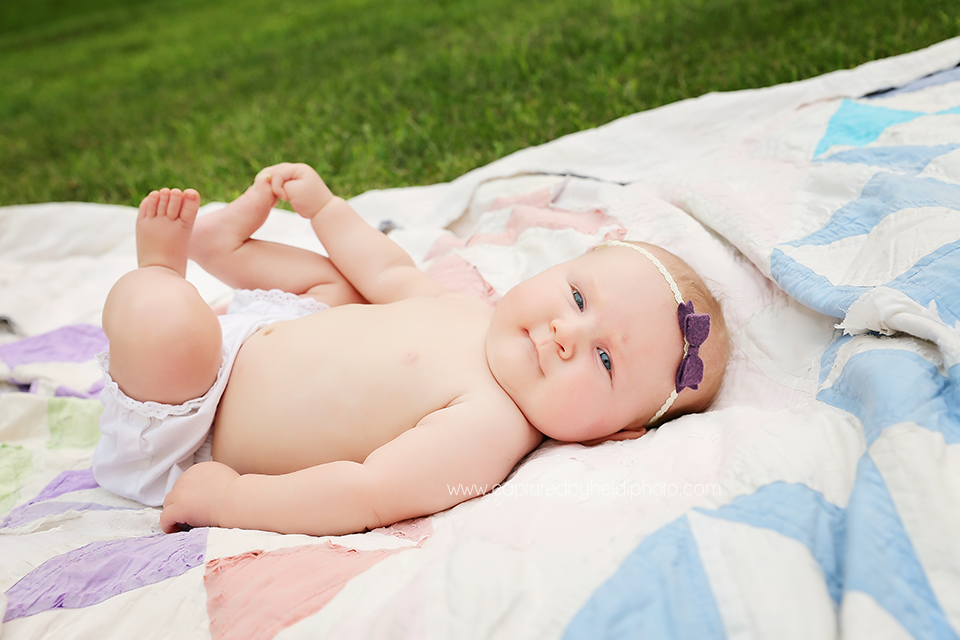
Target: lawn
pixel 104 100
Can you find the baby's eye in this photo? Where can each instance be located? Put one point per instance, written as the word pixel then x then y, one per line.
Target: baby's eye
pixel 605 359
pixel 578 299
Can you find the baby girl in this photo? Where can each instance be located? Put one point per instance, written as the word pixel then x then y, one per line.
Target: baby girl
pixel 344 394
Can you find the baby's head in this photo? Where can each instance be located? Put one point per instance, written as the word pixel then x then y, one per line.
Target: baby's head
pixel 590 349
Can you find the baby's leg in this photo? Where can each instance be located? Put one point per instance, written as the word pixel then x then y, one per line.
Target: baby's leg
pixel 165 340
pixel 222 245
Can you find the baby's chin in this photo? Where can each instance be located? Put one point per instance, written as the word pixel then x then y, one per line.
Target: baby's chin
pixel 565 425
pixel 564 428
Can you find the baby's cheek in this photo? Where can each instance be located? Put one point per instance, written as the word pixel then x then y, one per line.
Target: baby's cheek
pixel 571 416
pixel 549 416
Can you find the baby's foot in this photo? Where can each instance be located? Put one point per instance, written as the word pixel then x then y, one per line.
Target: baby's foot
pixel 247 213
pixel 259 196
pixel 228 228
pixel 164 225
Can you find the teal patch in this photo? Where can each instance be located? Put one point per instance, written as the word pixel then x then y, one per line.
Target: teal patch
pixel 856 125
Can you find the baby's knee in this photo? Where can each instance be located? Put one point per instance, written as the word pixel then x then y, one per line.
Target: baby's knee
pixel 151 302
pixel 164 349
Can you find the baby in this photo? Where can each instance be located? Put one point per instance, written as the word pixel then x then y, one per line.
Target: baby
pixel 344 394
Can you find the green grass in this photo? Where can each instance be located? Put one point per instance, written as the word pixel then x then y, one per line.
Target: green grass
pixel 104 100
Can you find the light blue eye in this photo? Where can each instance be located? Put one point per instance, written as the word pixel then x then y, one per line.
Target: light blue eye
pixel 578 299
pixel 605 359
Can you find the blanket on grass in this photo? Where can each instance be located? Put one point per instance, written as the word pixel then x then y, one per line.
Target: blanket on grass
pixel 819 497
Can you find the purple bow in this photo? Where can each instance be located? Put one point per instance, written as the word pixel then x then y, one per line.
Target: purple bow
pixel 695 328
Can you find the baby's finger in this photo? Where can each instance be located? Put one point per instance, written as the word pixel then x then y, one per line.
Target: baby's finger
pixel 276 183
pixel 270 170
pixel 267 173
pixel 273 178
pixel 168 520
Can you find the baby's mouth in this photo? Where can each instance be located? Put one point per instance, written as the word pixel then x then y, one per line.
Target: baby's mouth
pixel 536 351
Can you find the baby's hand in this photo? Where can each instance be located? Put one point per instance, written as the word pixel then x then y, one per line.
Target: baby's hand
pixel 299 185
pixel 196 497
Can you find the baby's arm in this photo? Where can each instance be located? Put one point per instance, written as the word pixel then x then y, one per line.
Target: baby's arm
pixel 427 469
pixel 379 269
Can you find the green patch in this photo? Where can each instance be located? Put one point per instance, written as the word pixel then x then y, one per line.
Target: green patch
pixel 16 463
pixel 74 423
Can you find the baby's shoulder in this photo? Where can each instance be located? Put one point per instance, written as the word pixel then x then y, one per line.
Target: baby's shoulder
pixel 495 414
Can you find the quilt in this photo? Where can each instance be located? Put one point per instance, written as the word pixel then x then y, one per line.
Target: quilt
pixel 818 498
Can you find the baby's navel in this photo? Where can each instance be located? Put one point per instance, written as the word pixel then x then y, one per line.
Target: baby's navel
pixel 268 331
pixel 410 357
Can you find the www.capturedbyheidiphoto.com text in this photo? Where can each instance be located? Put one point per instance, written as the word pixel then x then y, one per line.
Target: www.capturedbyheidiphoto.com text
pixel 586 489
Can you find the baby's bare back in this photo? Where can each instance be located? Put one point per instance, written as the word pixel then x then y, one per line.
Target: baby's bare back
pixel 338 384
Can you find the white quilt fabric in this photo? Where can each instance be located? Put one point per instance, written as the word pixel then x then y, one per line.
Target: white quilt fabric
pixel 818 498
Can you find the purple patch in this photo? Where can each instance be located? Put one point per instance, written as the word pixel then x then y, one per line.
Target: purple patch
pixel 75 343
pixel 90 394
pixel 30 512
pixel 67 482
pixel 100 570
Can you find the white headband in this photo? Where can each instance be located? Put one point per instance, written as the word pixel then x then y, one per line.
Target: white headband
pixel 676 294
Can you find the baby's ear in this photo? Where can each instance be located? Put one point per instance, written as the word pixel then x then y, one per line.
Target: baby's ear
pixel 625 434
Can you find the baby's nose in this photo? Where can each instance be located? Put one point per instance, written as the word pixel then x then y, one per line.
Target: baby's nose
pixel 565 335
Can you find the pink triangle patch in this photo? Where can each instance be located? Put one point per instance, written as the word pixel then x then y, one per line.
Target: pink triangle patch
pixel 257 594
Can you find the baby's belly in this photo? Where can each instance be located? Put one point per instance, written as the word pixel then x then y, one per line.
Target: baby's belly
pixel 297 397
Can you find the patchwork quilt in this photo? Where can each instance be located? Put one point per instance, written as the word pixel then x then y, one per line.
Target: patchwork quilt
pixel 818 498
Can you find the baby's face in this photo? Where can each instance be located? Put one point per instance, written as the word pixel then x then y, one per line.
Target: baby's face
pixel 588 346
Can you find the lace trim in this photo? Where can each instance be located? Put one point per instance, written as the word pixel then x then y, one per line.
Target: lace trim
pixel 149 408
pixel 244 298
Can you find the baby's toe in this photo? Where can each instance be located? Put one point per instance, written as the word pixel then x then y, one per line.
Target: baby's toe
pixel 173 205
pixel 148 206
pixel 163 199
pixel 190 206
